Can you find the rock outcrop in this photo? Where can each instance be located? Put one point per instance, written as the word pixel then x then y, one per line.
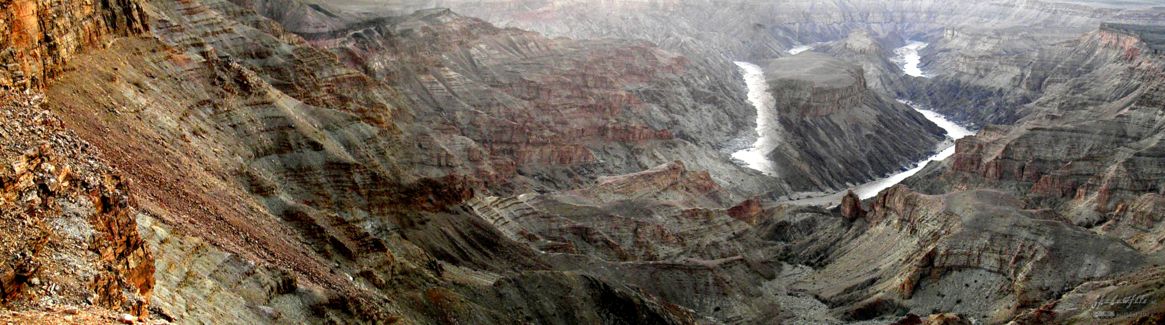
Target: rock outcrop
pixel 42 36
pixel 69 235
pixel 835 130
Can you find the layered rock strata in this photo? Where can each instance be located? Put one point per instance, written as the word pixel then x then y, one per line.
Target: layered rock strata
pixel 835 130
pixel 42 36
pixel 543 112
pixel 1088 151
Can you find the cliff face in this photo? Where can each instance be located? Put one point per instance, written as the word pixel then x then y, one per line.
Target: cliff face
pixel 835 130
pixel 41 36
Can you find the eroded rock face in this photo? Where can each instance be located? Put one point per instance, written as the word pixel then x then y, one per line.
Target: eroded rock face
pixel 835 130
pixel 42 36
pixel 851 207
pixel 1095 166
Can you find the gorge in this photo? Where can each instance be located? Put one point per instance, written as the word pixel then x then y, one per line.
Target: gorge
pixel 582 162
pixel 909 60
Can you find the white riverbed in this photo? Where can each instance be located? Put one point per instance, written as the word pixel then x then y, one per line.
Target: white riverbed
pixel 909 59
pixel 755 157
pixel 805 47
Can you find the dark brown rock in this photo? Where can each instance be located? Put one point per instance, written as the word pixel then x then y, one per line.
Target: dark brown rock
pixel 748 211
pixel 851 207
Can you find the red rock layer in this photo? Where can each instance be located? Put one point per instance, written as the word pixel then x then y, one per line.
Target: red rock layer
pixel 40 37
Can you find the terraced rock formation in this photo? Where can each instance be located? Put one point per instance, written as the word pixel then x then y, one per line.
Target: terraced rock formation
pixel 981 51
pixel 835 129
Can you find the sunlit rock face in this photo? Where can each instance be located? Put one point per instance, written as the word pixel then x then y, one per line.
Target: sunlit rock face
pixel 42 36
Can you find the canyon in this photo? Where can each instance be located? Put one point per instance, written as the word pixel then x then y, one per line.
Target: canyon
pixel 572 161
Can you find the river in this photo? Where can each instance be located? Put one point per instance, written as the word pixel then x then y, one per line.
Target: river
pixel 910 61
pixel 755 157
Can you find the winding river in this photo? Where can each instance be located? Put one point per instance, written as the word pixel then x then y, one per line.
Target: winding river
pixel 766 120
pixel 909 61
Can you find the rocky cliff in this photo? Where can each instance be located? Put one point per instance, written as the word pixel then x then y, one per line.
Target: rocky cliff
pixel 42 36
pixel 835 130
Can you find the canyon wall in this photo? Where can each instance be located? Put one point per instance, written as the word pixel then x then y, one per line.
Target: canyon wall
pixel 41 36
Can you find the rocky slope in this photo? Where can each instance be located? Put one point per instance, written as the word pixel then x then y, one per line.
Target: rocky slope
pixel 70 237
pixel 835 130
